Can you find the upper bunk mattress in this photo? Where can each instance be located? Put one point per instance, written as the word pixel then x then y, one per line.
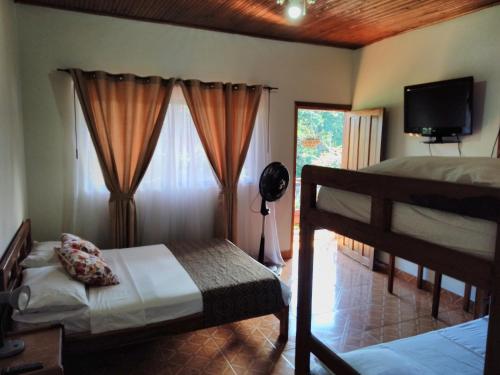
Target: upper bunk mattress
pixel 458 350
pixel 462 233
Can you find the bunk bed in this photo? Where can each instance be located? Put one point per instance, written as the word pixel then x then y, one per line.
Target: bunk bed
pixel 384 192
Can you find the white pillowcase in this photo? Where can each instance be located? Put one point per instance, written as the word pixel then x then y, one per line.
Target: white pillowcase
pixel 45 245
pixel 52 289
pixel 42 254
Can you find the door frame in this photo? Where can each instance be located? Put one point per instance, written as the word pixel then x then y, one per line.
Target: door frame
pixel 305 105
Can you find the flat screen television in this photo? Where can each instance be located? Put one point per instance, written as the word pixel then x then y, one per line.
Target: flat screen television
pixel 439 109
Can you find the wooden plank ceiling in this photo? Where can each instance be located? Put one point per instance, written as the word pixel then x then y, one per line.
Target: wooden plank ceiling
pixel 341 23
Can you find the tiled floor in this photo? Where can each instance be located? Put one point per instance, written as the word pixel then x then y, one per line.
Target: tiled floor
pixel 351 309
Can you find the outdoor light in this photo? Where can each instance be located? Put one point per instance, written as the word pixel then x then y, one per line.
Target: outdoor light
pixel 18 299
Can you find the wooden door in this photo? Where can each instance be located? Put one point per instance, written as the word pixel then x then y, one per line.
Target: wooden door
pixel 362 147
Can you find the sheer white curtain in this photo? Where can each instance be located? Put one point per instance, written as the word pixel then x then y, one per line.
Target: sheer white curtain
pixel 249 217
pixel 176 198
pixel 86 211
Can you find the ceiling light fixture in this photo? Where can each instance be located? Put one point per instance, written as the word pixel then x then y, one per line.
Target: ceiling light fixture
pixel 296 8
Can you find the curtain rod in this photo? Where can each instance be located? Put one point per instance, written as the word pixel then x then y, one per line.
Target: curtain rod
pixel 177 80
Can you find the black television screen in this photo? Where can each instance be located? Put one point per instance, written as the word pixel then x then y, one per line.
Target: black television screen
pixel 439 109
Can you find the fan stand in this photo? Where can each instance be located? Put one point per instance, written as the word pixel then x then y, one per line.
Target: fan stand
pixel 264 211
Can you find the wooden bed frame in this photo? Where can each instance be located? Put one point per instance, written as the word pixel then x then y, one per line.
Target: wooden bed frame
pixel 11 277
pixel 474 201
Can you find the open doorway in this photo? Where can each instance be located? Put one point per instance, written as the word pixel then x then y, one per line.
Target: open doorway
pixel 318 141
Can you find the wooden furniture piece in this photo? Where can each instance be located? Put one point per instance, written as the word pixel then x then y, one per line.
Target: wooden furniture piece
pixel 362 146
pixel 479 304
pixel 474 201
pixel 42 345
pixel 11 277
pixel 391 272
pixel 436 288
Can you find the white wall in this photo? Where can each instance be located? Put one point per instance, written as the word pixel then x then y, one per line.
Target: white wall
pixel 51 39
pixel 12 171
pixel 469 45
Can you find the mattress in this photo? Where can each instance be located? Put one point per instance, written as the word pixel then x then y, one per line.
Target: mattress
pixel 458 350
pixel 461 233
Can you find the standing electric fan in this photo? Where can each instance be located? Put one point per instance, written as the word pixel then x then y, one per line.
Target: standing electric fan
pixel 273 183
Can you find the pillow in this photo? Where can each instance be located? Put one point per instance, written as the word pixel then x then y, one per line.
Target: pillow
pixel 42 254
pixel 80 244
pixel 53 290
pixel 85 267
pixel 471 170
pixel 45 245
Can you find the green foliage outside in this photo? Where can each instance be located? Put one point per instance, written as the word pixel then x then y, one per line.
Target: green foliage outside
pixel 327 127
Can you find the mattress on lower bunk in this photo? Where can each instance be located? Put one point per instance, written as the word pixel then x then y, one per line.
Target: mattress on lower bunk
pixel 458 350
pixel 461 233
pixel 155 287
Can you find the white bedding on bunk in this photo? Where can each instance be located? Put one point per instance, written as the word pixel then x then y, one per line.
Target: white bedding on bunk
pixel 457 350
pixel 458 232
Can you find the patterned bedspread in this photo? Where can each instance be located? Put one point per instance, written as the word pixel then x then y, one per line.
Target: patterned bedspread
pixel 233 285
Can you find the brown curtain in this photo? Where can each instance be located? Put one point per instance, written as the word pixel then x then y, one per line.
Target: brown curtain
pixel 224 115
pixel 124 114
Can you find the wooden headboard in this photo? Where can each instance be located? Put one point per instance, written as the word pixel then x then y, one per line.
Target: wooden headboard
pixel 19 247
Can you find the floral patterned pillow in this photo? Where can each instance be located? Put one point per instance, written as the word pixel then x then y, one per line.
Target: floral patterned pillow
pixel 80 244
pixel 85 267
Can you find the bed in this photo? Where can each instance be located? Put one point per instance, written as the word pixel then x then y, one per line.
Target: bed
pixel 208 283
pixel 462 233
pixel 453 350
pixel 405 217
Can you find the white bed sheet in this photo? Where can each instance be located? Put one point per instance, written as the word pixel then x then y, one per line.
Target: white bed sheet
pixel 153 287
pixel 461 233
pixel 74 321
pixel 457 350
